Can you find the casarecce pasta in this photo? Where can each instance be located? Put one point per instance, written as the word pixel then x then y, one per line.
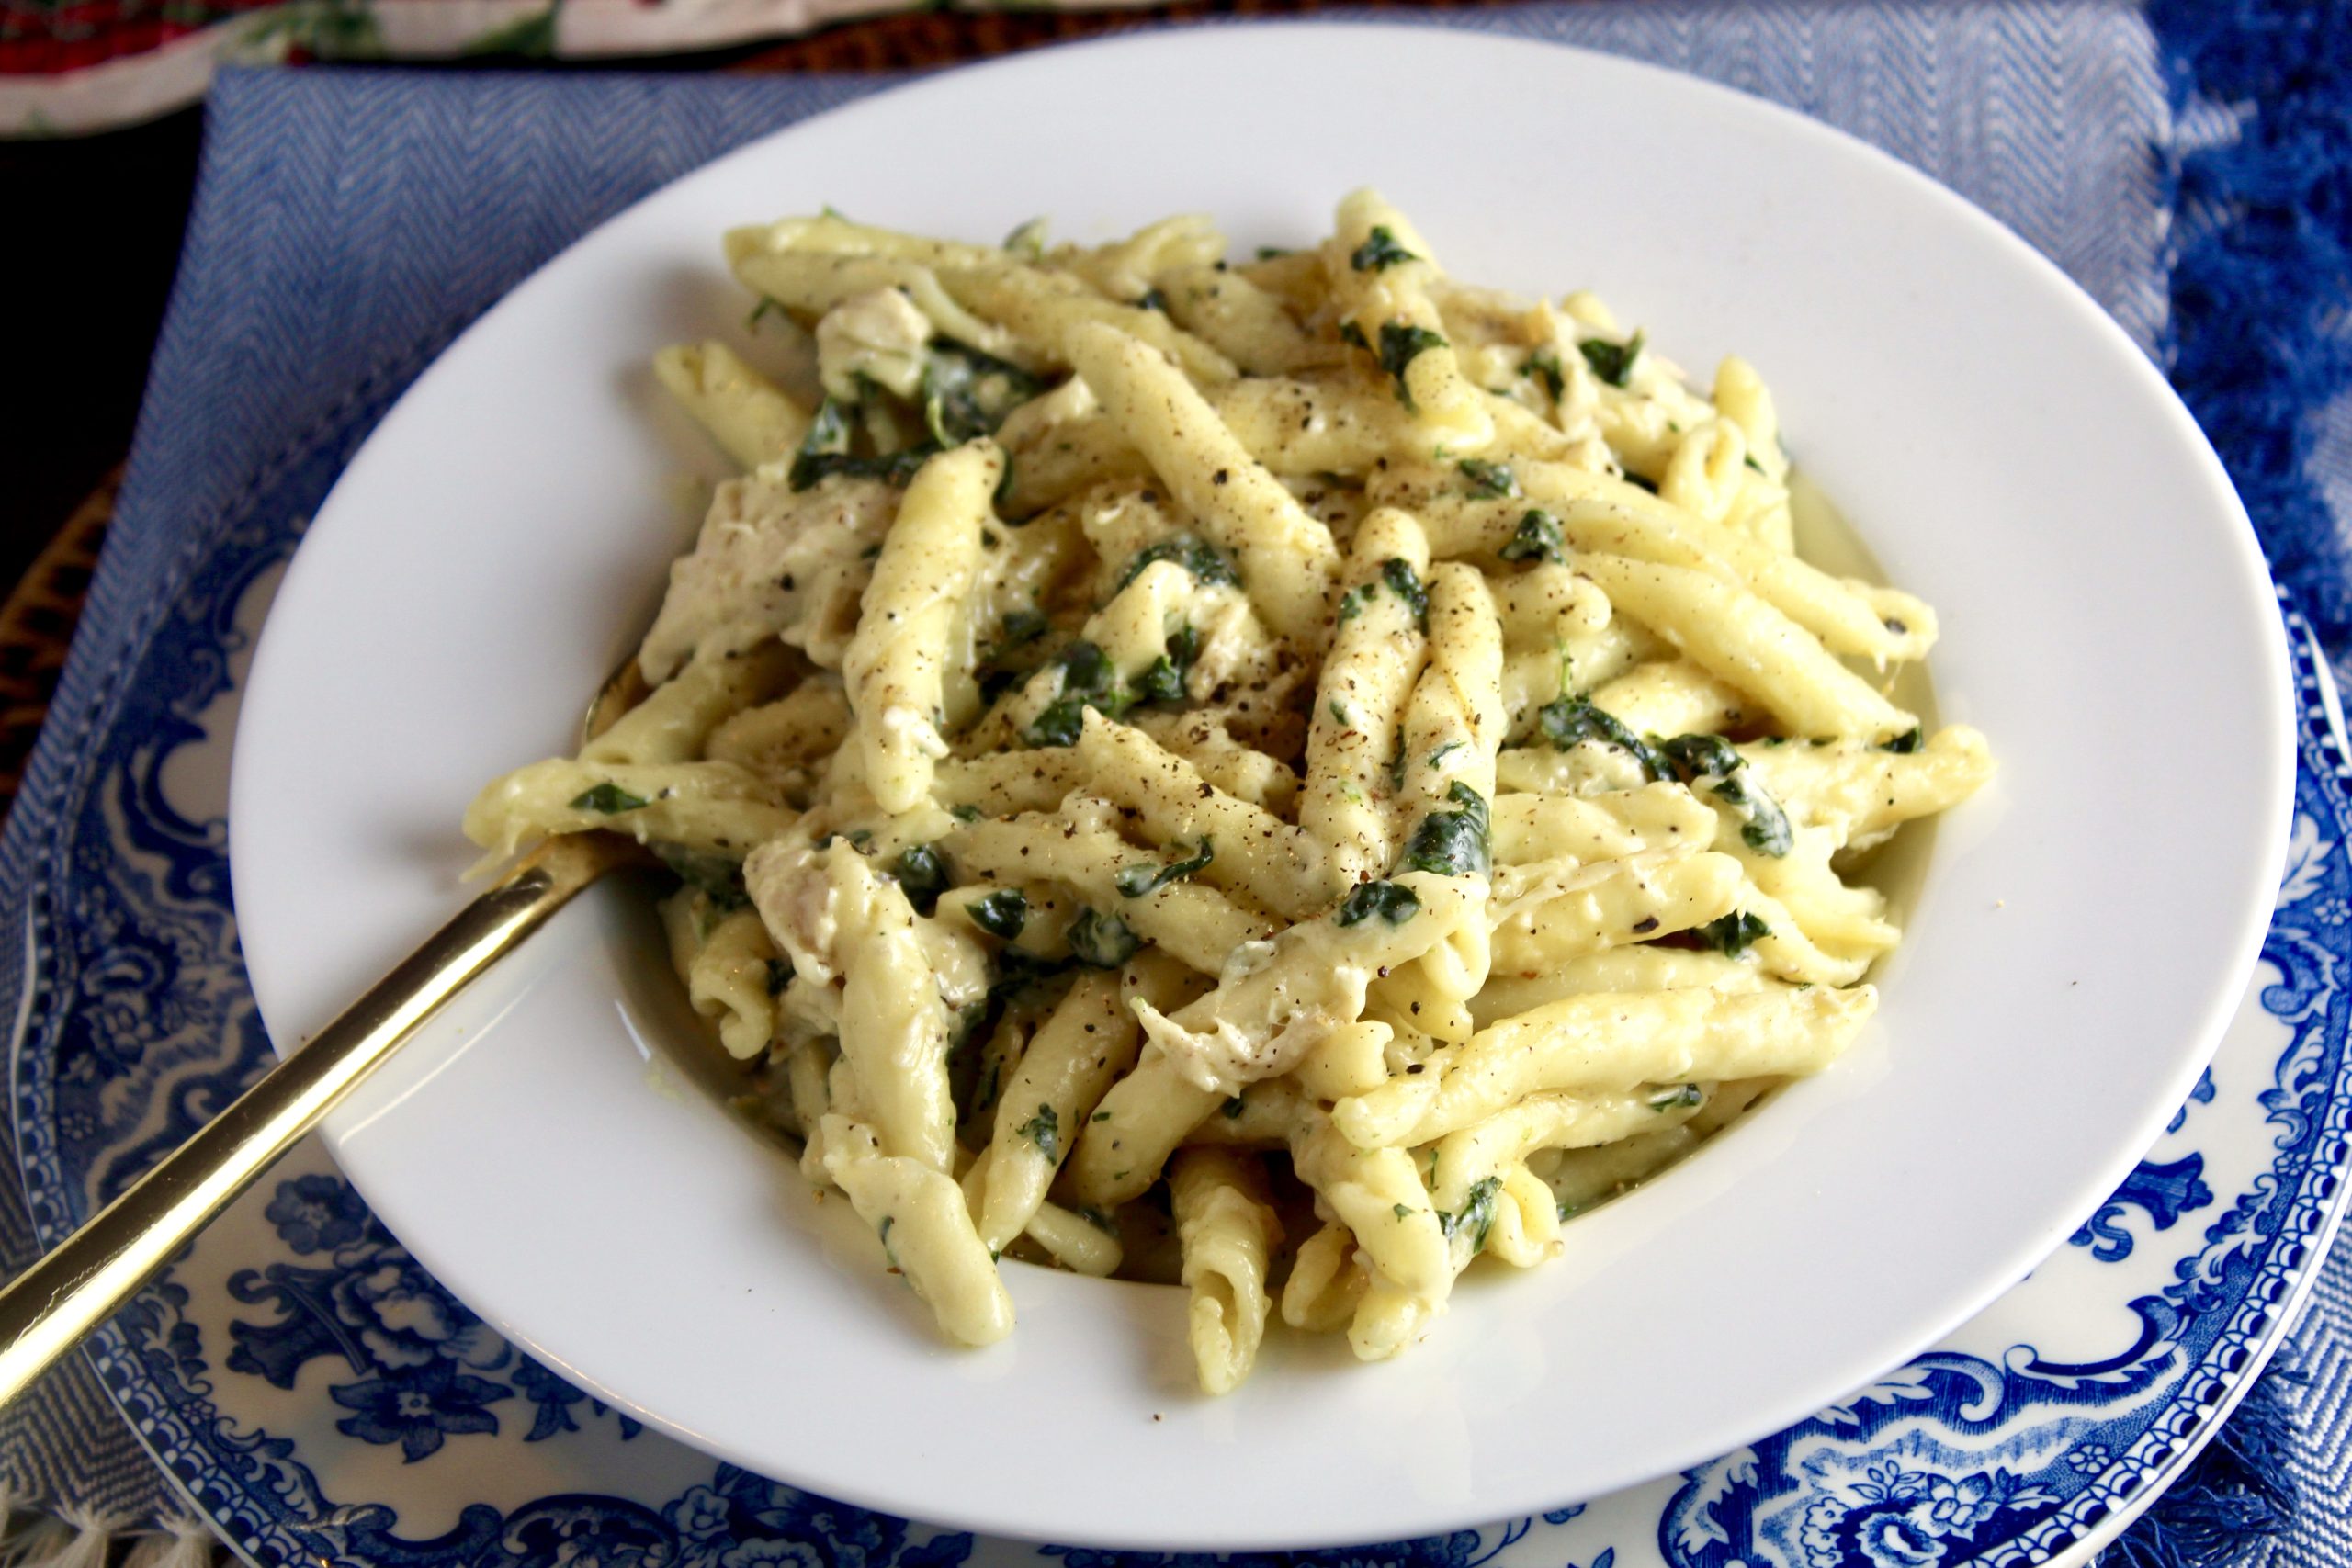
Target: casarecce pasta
pixel 1292 776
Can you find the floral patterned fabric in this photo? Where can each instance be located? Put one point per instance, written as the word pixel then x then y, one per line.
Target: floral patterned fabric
pixel 68 67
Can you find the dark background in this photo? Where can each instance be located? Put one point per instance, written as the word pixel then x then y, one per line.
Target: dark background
pixel 93 230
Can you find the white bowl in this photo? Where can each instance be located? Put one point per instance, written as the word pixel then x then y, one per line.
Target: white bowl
pixel 2083 930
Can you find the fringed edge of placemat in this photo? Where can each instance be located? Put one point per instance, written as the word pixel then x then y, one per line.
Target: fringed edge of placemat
pixel 32 1536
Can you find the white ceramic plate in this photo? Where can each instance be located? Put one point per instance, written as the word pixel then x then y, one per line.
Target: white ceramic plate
pixel 2084 931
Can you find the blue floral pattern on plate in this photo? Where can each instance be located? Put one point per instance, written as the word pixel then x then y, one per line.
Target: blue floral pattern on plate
pixel 320 1396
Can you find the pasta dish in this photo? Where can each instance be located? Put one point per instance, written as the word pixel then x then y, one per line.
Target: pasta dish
pixel 1291 775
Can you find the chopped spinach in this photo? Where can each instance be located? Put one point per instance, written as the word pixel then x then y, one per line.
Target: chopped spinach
pixel 1613 362
pixel 1044 1131
pixel 1452 843
pixel 1711 759
pixel 1702 756
pixel 1027 242
pixel 1391 901
pixel 1734 934
pixel 1163 679
pixel 967 393
pixel 1352 602
pixel 1061 723
pixel 751 321
pixel 1208 565
pixel 1537 538
pixel 923 874
pixel 825 451
pixel 1379 252
pixel 1353 334
pixel 1905 744
pixel 1476 1215
pixel 1102 941
pixel 608 798
pixel 1682 1097
pixel 1566 721
pixel 1001 914
pixel 1089 679
pixel 1136 881
pixel 1492 482
pixel 1018 629
pixel 1404 582
pixel 1400 345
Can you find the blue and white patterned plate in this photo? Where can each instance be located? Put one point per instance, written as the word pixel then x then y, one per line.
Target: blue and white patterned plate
pixel 322 1400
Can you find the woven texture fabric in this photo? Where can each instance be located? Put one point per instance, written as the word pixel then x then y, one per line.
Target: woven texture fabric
pixel 2262 354
pixel 349 223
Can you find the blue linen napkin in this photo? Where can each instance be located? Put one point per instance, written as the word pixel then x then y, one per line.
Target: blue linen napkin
pixel 348 224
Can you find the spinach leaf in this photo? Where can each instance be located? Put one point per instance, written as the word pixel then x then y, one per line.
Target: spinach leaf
pixel 1061 723
pixel 923 876
pixel 1163 679
pixel 1391 901
pixel 1734 934
pixel 1102 941
pixel 1089 680
pixel 967 393
pixel 1476 1215
pixel 1405 584
pixel 1208 565
pixel 1537 538
pixel 1027 242
pixel 608 798
pixel 1135 881
pixel 1452 843
pixel 1613 362
pixel 1681 1097
pixel 825 451
pixel 1001 914
pixel 1379 252
pixel 1400 345
pixel 1711 759
pixel 1566 721
pixel 1044 1131
pixel 1491 481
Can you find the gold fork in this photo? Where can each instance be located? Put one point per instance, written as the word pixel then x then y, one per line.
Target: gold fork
pixel 81 1283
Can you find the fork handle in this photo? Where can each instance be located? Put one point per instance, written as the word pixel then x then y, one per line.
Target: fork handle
pixel 80 1283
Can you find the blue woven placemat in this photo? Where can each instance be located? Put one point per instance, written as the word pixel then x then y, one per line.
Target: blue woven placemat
pixel 348 224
